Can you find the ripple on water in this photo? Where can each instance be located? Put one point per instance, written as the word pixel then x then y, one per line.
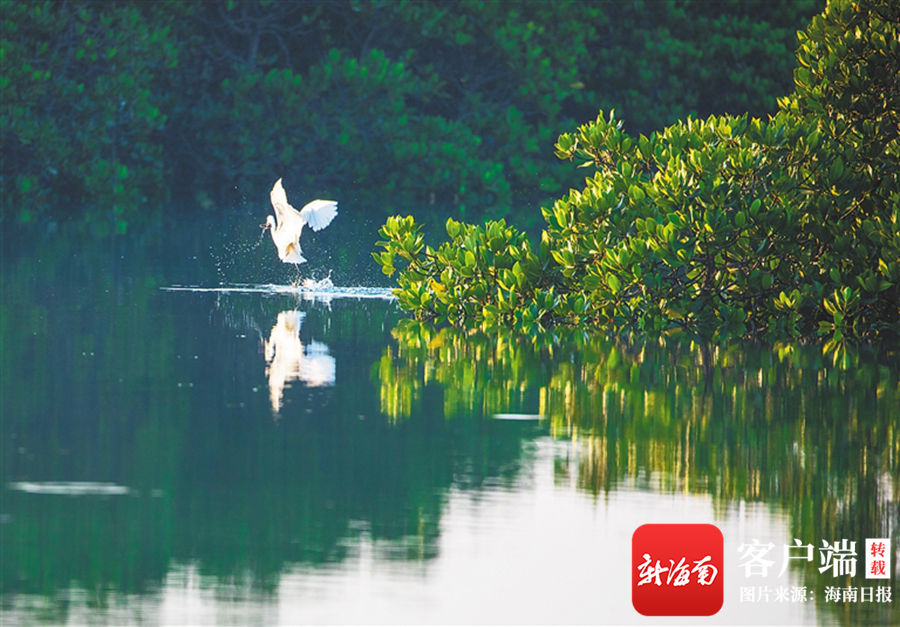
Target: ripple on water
pixel 70 488
pixel 314 290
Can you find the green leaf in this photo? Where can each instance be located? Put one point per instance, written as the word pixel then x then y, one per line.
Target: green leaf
pixel 613 282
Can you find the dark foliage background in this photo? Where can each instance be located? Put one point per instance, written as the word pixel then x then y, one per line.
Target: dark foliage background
pixel 115 114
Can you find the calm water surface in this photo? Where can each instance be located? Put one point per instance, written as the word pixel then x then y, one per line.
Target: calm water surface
pixel 256 456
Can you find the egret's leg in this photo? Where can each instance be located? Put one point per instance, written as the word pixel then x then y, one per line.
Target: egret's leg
pixel 296 282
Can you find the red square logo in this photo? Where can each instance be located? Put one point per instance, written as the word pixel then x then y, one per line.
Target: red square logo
pixel 676 570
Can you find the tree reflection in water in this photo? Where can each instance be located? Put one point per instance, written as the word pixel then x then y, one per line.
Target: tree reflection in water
pixel 812 434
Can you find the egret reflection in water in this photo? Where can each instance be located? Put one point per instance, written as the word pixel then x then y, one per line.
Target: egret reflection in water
pixel 287 359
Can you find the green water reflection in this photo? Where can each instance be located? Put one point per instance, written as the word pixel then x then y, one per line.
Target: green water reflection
pixel 257 433
pixel 783 425
pixel 107 378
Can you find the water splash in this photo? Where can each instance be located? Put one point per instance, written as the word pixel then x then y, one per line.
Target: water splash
pixel 518 417
pixel 70 488
pixel 306 289
pixel 225 256
pixel 312 284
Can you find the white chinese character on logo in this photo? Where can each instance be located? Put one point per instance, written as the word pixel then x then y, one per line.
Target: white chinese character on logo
pixel 650 574
pixel 680 574
pixel 753 558
pixel 782 594
pixel 799 594
pixel 706 573
pixel 832 594
pixel 839 557
pixel 796 551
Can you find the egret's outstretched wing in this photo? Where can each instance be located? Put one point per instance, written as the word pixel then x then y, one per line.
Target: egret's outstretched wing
pixel 284 212
pixel 319 213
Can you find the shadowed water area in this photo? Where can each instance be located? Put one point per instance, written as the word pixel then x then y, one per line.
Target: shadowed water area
pixel 186 439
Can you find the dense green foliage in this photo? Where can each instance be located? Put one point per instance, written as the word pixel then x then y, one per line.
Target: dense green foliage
pixel 727 226
pixel 112 110
pixel 84 92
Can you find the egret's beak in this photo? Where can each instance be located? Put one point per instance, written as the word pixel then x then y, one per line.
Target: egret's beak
pixel 264 227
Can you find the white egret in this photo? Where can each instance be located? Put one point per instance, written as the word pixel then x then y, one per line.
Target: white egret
pixel 287 223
